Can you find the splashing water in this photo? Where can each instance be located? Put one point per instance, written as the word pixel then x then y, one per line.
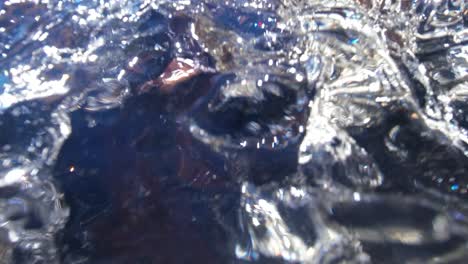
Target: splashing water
pixel 271 131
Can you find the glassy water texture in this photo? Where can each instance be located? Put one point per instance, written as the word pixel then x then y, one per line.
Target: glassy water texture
pixel 269 131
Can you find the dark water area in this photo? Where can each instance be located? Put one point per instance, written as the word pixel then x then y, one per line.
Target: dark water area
pixel 143 189
pixel 263 131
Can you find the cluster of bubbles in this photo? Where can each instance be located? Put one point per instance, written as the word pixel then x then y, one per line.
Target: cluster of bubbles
pixel 341 126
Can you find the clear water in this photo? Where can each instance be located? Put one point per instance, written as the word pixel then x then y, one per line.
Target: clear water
pixel 269 131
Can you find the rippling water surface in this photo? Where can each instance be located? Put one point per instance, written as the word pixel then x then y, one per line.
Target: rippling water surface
pixel 269 131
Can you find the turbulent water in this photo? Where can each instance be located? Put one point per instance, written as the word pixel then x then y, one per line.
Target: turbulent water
pixel 270 131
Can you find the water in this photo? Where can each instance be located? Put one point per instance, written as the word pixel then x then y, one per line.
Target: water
pixel 269 131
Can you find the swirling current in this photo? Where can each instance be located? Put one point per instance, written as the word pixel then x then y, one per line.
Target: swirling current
pixel 236 131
